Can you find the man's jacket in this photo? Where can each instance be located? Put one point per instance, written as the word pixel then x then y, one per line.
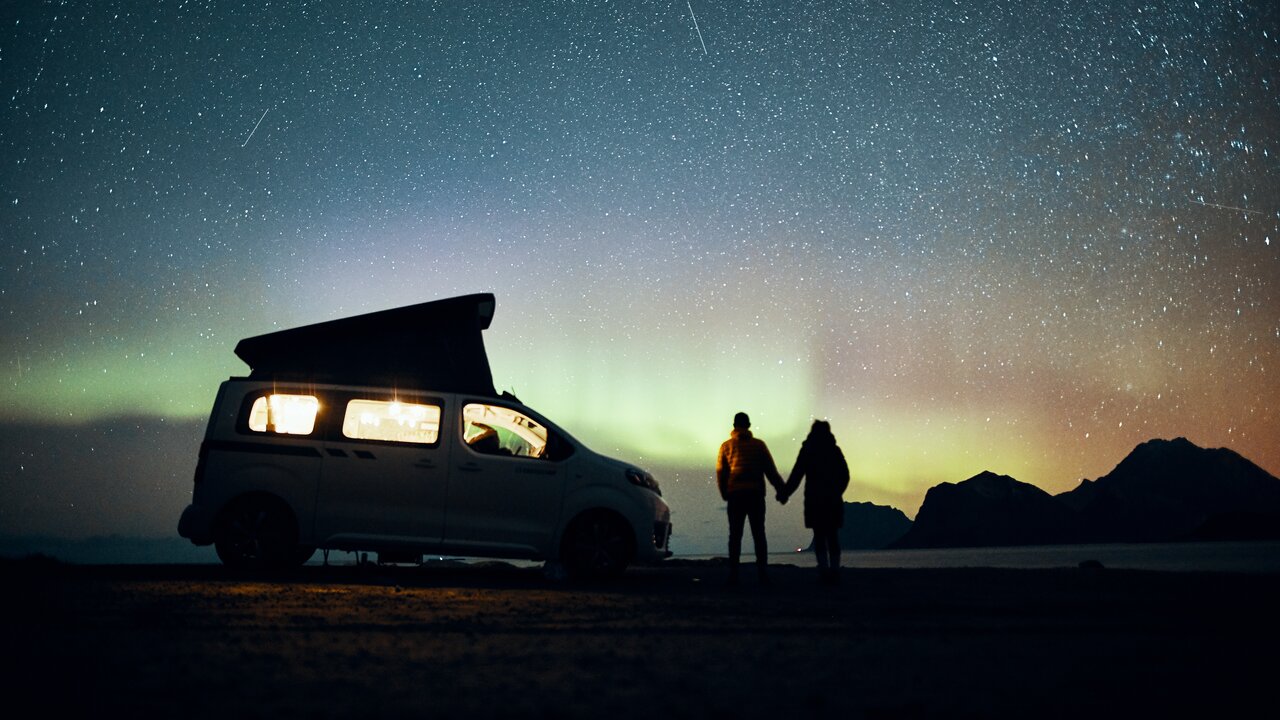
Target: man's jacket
pixel 744 463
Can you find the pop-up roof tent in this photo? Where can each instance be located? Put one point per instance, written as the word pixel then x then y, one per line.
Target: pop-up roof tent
pixel 433 345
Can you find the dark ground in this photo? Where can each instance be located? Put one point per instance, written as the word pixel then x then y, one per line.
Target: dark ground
pixel 495 640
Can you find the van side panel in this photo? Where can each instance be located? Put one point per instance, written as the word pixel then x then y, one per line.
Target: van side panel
pixel 239 463
pixel 287 473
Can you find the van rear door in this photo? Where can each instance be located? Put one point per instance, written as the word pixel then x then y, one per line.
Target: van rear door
pixel 385 471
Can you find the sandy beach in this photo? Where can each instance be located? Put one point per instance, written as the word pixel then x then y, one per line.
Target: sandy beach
pixel 494 640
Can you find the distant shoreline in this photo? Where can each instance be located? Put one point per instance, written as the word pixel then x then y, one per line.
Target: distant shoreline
pixel 1218 556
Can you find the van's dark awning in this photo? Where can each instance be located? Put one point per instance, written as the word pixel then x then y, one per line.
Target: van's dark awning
pixel 433 345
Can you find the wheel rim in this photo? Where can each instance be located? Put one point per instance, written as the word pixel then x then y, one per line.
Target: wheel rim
pixel 257 535
pixel 600 546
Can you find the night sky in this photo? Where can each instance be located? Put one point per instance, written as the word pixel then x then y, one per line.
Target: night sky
pixel 1016 236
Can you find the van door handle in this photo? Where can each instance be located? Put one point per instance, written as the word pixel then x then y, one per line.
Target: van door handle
pixel 469 467
pixel 425 465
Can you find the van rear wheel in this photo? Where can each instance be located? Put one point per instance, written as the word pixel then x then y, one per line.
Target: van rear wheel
pixel 597 546
pixel 258 533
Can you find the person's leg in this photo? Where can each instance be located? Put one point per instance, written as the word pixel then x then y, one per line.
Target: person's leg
pixel 755 514
pixel 820 549
pixel 829 538
pixel 737 518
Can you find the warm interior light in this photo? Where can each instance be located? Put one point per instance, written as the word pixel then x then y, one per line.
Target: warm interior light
pixel 288 414
pixel 396 421
pixel 504 420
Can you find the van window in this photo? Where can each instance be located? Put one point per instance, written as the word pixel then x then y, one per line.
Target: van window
pixel 285 414
pixel 392 420
pixel 497 430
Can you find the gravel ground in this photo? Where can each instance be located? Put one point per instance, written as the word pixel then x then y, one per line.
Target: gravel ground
pixel 495 640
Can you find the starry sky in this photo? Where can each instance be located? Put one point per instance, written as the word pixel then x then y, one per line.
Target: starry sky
pixel 1016 236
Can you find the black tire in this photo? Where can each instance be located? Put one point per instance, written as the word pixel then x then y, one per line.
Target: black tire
pixel 597 546
pixel 303 554
pixel 258 533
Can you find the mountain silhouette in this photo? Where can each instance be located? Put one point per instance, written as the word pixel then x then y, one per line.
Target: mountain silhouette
pixel 868 526
pixel 1163 491
pixel 989 510
pixel 1173 490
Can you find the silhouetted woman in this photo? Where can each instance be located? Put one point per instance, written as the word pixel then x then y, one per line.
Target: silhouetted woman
pixel 822 463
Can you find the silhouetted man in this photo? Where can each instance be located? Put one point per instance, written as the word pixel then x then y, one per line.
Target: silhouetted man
pixel 741 469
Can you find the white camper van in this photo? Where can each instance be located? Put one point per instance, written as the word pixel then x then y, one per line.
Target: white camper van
pixel 321 448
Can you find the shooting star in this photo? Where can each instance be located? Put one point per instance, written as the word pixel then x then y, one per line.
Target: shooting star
pixel 255 128
pixel 695 26
pixel 1226 207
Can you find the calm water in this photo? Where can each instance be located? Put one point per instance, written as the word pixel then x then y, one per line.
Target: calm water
pixel 1247 557
pixel 1250 557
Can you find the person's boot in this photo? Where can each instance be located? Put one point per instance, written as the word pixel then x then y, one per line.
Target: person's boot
pixel 764 576
pixel 732 580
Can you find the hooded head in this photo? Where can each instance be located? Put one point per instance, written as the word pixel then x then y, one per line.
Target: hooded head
pixel 741 421
pixel 820 432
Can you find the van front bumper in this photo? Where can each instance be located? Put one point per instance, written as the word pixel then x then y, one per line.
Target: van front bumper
pixel 662 538
pixel 196 524
pixel 658 547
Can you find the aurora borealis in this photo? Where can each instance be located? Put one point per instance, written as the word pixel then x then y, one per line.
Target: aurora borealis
pixel 1022 237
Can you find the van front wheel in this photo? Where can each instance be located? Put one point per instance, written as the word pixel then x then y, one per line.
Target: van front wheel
pixel 597 546
pixel 257 533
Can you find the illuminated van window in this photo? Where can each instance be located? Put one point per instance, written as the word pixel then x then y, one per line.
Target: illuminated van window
pixel 286 414
pixel 391 420
pixel 496 430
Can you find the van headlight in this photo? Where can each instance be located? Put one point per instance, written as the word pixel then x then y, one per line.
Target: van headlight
pixel 643 479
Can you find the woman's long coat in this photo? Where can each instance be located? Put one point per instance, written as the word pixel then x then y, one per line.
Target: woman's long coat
pixel 822 463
